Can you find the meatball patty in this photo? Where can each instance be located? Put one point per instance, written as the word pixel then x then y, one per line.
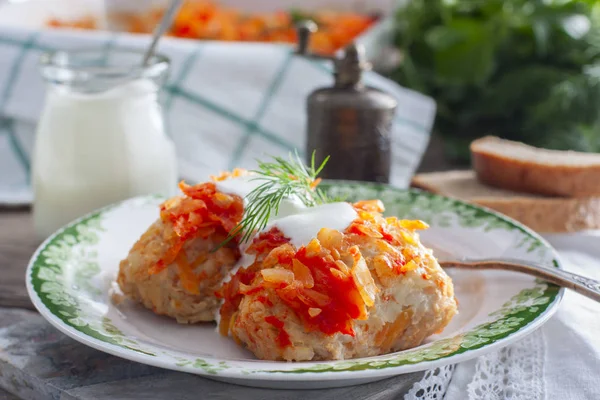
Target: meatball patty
pixel 173 269
pixel 367 291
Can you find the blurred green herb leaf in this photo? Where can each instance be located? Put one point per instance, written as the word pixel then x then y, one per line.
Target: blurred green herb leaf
pixel 526 70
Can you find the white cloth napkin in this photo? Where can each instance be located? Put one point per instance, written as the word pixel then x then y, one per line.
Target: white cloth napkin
pixel 559 361
pixel 226 104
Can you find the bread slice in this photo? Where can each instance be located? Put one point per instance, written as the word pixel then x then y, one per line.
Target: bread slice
pixel 542 214
pixel 522 168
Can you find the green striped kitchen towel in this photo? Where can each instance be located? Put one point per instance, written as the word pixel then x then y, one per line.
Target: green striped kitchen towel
pixel 226 104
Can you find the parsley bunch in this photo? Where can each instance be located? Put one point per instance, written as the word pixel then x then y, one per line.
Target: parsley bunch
pixel 526 70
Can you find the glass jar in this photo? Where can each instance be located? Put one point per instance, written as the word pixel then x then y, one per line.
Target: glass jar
pixel 101 136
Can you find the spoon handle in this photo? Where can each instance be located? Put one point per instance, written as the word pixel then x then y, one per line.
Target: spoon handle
pixel 580 284
pixel 164 24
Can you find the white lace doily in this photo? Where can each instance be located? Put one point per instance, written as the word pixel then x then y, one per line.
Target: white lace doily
pixel 512 373
pixel 433 386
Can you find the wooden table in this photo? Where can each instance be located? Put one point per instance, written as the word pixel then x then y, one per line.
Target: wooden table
pixel 17 244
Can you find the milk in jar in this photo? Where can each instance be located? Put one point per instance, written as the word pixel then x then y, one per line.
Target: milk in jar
pixel 101 136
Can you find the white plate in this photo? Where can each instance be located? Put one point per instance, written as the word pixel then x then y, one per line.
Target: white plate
pixel 69 276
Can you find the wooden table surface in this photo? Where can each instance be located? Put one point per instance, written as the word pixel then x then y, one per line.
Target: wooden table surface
pixel 17 244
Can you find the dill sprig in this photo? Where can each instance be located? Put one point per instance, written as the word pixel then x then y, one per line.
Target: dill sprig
pixel 279 179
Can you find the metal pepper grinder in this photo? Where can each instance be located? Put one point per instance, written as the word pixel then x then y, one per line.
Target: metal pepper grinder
pixel 349 122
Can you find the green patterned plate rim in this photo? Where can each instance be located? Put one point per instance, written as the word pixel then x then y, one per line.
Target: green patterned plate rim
pixel 60 281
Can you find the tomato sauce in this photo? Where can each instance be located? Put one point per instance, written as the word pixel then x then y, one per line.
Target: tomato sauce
pixel 282 339
pixel 340 302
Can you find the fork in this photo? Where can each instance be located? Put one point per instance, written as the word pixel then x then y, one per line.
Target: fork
pixel 580 284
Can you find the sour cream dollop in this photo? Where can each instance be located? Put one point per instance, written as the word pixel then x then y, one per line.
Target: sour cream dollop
pixel 242 186
pixel 304 225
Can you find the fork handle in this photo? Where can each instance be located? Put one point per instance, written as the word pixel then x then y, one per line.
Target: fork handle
pixel 580 284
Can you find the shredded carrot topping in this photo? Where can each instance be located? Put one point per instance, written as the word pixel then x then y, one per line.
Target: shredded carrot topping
pixel 327 283
pixel 186 274
pixel 267 241
pixel 201 212
pixel 236 173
